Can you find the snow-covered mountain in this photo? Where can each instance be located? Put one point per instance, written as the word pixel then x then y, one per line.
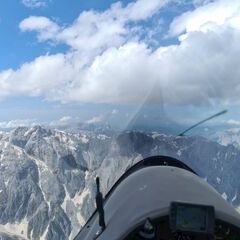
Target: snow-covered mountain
pixel 227 137
pixel 47 176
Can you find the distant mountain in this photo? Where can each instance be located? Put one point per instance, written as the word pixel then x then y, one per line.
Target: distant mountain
pixel 228 137
pixel 47 176
pixel 85 127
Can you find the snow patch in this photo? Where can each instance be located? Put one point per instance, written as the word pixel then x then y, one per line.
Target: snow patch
pixel 156 135
pixel 102 137
pixel 43 237
pixel 84 139
pixel 17 229
pixel 224 195
pixel 230 136
pixel 179 152
pixel 235 197
pixel 78 201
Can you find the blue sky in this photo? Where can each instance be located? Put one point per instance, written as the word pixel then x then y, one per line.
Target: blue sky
pixel 17 48
pixel 162 55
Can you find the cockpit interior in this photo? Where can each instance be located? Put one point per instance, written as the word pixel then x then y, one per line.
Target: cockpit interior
pixel 186 222
pixel 162 231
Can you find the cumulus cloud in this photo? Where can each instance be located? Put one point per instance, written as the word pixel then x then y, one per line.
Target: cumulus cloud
pixel 33 79
pixel 14 123
pixel 198 3
pixel 208 17
pixel 46 28
pixel 108 62
pixel 17 123
pixel 115 111
pixel 63 121
pixel 35 3
pixel 233 122
pixel 93 29
pixel 96 119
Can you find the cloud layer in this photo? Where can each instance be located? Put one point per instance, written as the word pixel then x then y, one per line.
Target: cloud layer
pixel 110 62
pixel 35 3
pixel 17 123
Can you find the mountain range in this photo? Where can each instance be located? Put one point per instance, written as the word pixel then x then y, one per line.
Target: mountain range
pixel 47 181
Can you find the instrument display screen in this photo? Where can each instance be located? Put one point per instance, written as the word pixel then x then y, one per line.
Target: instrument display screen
pixel 192 218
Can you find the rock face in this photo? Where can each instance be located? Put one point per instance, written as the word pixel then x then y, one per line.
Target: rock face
pixel 47 176
pixel 228 137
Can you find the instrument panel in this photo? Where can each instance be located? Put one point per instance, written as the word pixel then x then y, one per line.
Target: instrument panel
pixel 192 218
pixel 186 222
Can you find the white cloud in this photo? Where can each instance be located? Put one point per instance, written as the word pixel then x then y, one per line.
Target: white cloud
pixel 63 121
pixel 109 63
pixel 17 123
pixel 115 111
pixel 222 13
pixel 233 122
pixel 35 3
pixel 40 77
pixel 93 29
pixel 142 9
pixel 198 3
pixel 96 119
pixel 46 28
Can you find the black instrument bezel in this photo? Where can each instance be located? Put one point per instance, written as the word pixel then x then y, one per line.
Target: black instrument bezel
pixel 210 221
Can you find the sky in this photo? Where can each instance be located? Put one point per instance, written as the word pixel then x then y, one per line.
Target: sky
pixel 157 61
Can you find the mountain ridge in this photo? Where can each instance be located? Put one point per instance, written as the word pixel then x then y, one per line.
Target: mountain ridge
pixel 47 185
